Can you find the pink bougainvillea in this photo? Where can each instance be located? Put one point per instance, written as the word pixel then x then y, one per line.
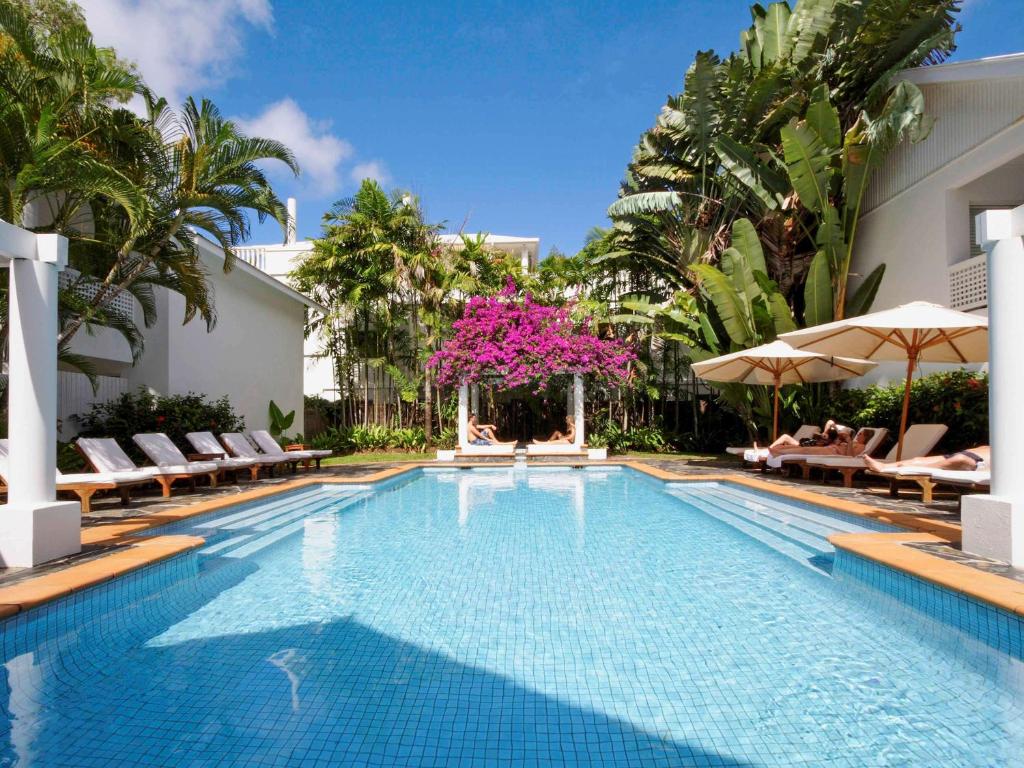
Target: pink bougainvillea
pixel 520 342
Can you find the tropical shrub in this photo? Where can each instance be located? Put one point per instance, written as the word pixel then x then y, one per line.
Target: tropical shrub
pixel 175 415
pixel 360 439
pixel 279 420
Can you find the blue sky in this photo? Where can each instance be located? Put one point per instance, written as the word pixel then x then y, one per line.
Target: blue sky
pixel 513 117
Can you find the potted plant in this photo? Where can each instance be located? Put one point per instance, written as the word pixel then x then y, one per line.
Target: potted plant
pixel 446 442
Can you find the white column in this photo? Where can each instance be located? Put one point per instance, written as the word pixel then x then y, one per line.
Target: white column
pixel 474 399
pixel 577 397
pixel 34 527
pixel 463 416
pixel 993 524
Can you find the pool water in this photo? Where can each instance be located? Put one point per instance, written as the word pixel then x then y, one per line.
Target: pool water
pixel 519 617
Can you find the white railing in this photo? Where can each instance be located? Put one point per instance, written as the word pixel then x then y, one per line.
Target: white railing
pixel 86 290
pixel 255 256
pixel 968 284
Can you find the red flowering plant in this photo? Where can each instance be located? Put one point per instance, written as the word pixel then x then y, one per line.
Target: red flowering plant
pixel 520 342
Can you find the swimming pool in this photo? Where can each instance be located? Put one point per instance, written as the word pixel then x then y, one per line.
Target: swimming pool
pixel 504 617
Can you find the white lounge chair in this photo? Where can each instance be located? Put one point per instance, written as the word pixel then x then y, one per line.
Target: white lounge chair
pixel 760 454
pixel 206 443
pixel 239 445
pixel 918 441
pixel 162 451
pixel 84 484
pixel 105 455
pixel 927 478
pixel 266 443
pixel 803 459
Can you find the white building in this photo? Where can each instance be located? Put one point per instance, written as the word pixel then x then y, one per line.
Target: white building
pixel 253 354
pixel 279 260
pixel 921 205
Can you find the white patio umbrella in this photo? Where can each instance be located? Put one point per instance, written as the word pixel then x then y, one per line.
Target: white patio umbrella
pixel 918 332
pixel 776 364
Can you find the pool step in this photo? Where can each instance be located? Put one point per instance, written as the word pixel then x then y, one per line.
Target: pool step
pixel 791 531
pixel 265 525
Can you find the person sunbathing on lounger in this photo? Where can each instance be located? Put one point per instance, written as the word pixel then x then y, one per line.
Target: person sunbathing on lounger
pixel 841 445
pixel 569 436
pixel 483 434
pixel 971 460
pixel 827 436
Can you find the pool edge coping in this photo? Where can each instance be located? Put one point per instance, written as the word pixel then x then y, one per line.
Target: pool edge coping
pixel 885 548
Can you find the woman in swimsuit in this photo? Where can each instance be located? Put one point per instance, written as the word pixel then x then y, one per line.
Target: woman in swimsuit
pixel 967 461
pixel 841 445
pixel 827 436
pixel 562 437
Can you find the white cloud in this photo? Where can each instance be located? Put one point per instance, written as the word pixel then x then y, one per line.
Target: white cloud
pixel 319 152
pixel 180 46
pixel 374 169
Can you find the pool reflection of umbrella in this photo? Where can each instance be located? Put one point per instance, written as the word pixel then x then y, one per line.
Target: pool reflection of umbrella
pixel 776 364
pixel 918 332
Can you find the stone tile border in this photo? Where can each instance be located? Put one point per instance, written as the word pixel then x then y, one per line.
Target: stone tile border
pixel 886 548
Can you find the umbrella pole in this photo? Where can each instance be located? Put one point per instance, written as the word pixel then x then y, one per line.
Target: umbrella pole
pixel 775 417
pixel 911 364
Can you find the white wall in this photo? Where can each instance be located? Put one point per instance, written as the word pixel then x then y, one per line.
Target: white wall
pixel 253 355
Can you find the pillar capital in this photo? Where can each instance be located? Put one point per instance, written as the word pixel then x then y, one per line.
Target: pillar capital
pixel 992 226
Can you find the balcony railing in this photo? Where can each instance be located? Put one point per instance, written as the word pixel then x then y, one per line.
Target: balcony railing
pixel 968 284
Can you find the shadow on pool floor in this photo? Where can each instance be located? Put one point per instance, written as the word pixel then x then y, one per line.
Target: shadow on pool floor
pixel 337 693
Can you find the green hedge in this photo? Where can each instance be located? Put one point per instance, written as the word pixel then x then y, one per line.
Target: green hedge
pixel 958 399
pixel 176 415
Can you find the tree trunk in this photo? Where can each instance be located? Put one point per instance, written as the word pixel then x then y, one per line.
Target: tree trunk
pixel 428 404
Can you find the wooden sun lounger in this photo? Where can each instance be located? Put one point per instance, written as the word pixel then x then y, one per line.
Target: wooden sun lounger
pixel 86 490
pixel 929 479
pixel 806 462
pixel 96 451
pixel 83 486
pixel 918 441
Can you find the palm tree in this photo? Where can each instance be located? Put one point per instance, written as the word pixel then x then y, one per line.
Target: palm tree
pixel 63 132
pixel 718 153
pixel 200 175
pixel 371 269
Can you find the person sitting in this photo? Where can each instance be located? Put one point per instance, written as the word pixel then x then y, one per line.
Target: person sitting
pixel 840 444
pixel 569 436
pixel 974 459
pixel 826 437
pixel 483 434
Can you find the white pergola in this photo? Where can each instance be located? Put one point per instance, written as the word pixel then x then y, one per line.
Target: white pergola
pixel 993 523
pixel 34 526
pixel 469 400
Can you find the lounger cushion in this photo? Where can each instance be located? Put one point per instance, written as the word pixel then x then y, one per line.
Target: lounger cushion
pixel 963 477
pixel 205 442
pixel 266 443
pixel 189 468
pixel 102 478
pixel 106 455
